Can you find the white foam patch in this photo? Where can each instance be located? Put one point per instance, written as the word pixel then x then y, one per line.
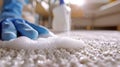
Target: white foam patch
pixel 42 43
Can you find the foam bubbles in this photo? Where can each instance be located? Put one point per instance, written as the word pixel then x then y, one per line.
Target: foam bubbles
pixel 42 43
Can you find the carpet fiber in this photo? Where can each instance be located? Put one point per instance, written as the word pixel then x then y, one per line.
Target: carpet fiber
pixel 103 50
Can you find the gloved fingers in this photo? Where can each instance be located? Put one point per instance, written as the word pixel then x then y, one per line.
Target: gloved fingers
pixel 25 30
pixel 42 31
pixel 8 31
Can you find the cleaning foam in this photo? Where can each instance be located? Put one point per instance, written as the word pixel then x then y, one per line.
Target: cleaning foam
pixel 42 43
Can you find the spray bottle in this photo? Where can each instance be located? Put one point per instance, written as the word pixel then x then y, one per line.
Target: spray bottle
pixel 62 18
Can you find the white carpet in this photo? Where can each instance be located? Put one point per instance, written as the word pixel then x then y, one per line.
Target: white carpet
pixel 102 50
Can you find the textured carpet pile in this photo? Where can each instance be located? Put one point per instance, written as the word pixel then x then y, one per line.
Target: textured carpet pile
pixel 103 50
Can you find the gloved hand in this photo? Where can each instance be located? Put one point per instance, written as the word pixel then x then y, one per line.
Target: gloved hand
pixel 12 25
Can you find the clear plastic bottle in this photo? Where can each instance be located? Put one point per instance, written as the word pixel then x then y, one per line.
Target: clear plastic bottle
pixel 62 18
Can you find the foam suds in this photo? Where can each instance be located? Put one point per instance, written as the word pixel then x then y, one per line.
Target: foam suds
pixel 42 43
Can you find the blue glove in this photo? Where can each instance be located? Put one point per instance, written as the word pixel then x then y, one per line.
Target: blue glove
pixel 12 25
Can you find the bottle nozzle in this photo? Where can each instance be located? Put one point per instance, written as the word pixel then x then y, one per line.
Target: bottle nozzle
pixel 62 2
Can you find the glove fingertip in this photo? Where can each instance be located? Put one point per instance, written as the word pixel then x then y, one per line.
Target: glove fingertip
pixel 8 30
pixel 6 36
pixel 25 29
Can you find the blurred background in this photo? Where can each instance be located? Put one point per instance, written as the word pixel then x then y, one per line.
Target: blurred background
pixel 85 14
